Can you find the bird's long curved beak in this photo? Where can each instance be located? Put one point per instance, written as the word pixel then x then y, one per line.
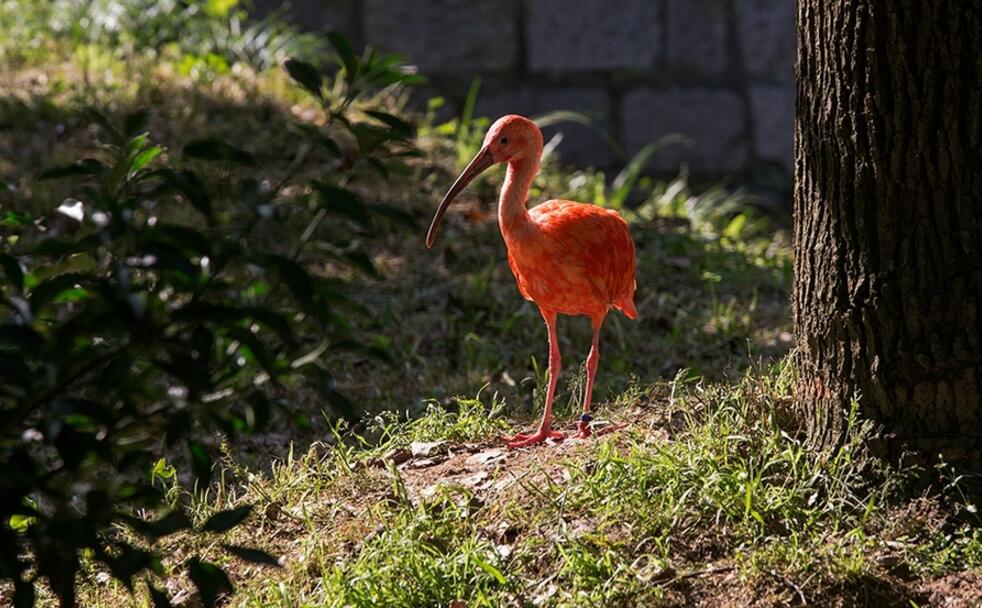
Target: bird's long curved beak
pixel 478 165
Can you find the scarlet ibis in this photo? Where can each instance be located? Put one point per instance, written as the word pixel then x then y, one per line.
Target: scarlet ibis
pixel 569 258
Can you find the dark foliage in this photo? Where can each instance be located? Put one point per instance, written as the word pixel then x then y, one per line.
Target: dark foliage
pixel 143 315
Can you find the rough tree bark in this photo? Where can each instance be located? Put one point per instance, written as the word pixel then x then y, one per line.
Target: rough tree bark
pixel 888 220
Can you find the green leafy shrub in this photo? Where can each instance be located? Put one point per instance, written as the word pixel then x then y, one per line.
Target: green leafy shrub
pixel 215 30
pixel 144 314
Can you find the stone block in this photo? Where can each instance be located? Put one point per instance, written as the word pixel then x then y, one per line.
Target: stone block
pixel 713 119
pixel 766 38
pixel 696 38
pixel 772 111
pixel 581 145
pixel 445 36
pixel 584 35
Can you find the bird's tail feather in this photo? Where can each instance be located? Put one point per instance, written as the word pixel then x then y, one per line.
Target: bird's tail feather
pixel 626 306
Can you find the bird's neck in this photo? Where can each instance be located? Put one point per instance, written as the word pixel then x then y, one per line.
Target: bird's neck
pixel 512 213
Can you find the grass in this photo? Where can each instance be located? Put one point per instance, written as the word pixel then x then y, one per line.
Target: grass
pixel 708 495
pixel 705 497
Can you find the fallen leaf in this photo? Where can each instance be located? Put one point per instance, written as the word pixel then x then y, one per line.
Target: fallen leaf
pixel 486 457
pixel 422 463
pixel 422 449
pixel 474 480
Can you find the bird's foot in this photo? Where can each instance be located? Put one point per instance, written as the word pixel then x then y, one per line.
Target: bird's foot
pixel 522 440
pixel 582 430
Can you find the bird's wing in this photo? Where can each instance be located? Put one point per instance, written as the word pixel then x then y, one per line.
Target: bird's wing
pixel 591 239
pixel 579 227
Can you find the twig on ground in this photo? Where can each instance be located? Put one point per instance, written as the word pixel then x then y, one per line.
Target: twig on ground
pixel 790 583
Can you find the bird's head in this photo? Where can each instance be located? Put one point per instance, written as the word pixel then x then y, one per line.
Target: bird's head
pixel 511 138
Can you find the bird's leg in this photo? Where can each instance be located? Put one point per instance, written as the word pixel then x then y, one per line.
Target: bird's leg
pixel 544 432
pixel 592 361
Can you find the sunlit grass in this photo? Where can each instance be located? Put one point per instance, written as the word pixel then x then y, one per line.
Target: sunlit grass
pixel 708 482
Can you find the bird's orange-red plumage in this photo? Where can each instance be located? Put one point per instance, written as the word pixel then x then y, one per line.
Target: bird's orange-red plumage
pixel 578 260
pixel 569 258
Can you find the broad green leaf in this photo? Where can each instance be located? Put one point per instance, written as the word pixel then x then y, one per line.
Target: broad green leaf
pixel 319 136
pixel 184 237
pixel 259 352
pixel 12 268
pixel 20 523
pixel 394 122
pixel 306 76
pixel 162 470
pixel 487 567
pixel 166 256
pixel 297 278
pixel 72 295
pixel 275 322
pixel 734 228
pixel 361 261
pixel 342 202
pixel 144 158
pixel 50 289
pixel 371 137
pixel 347 54
pixel 55 247
pixel 86 166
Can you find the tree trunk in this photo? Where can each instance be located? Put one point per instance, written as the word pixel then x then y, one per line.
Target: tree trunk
pixel 888 220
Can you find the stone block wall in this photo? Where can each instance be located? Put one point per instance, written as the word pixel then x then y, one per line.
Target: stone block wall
pixel 720 72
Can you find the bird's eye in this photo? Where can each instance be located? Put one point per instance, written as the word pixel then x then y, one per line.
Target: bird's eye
pixel 503 141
